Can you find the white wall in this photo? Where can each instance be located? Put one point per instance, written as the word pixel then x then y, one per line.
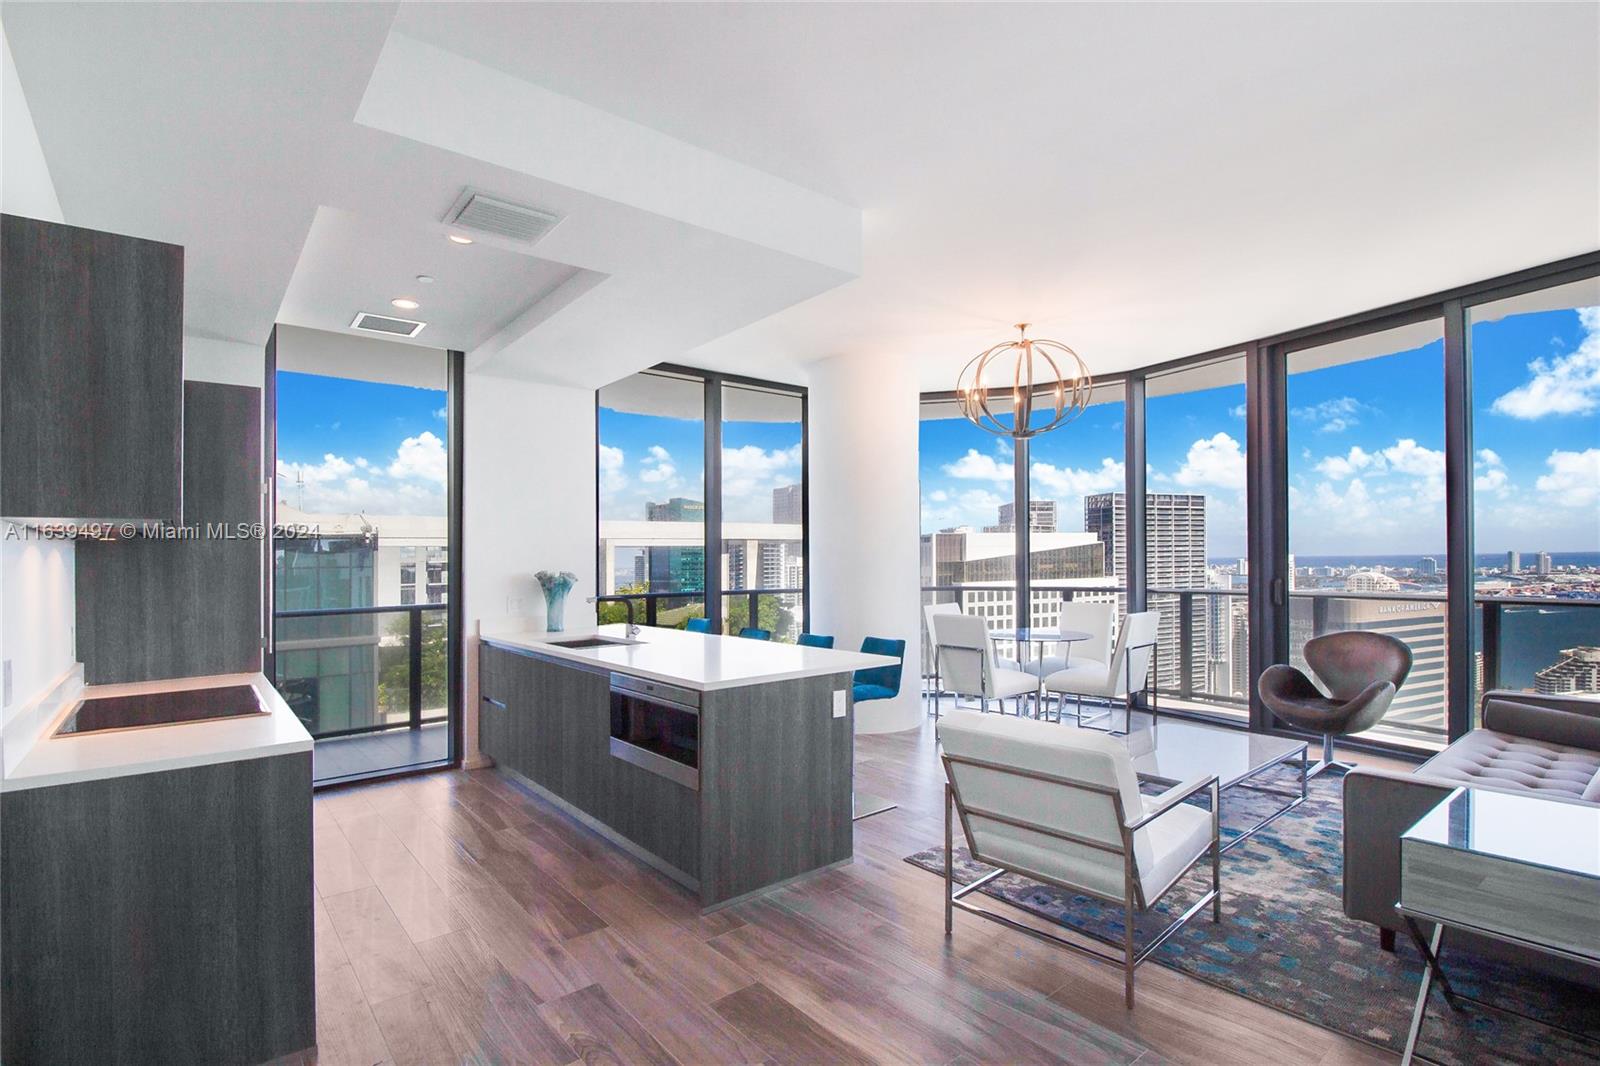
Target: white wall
pixel 25 185
pixel 224 362
pixel 864 549
pixel 528 504
pixel 37 613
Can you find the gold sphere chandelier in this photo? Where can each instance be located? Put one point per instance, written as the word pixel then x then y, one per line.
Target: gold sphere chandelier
pixel 1020 373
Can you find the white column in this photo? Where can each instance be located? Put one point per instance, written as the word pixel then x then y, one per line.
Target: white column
pixel 864 548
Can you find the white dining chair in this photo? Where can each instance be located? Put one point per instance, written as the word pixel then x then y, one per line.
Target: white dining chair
pixel 1063 807
pixel 1124 676
pixel 968 665
pixel 1094 619
pixel 930 611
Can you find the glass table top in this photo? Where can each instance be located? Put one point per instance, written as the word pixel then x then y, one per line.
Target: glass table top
pixel 1050 635
pixel 1172 750
pixel 1559 836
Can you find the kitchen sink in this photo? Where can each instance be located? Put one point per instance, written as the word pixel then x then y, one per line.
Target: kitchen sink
pixel 591 642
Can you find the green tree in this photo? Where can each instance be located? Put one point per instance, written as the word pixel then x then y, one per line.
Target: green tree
pixel 772 615
pixel 394 664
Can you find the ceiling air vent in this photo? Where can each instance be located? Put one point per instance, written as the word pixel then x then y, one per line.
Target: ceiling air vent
pixel 474 210
pixel 389 327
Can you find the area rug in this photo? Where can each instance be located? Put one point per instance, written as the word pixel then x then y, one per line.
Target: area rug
pixel 1284 941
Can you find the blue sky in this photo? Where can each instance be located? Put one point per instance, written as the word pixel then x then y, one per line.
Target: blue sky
pixel 347 446
pixel 645 458
pixel 1366 443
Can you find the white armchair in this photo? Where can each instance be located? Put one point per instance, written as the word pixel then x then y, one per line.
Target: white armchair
pixel 968 666
pixel 1063 807
pixel 1127 673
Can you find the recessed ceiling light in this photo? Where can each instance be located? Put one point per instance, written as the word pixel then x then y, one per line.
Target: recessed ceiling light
pixel 405 303
pixel 426 279
pixel 459 239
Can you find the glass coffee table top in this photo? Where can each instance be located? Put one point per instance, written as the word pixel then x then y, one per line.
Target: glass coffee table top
pixel 1525 829
pixel 1172 750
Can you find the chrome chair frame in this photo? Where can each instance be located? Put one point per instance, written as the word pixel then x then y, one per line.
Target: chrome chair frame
pixel 1128 700
pixel 983 672
pixel 1133 894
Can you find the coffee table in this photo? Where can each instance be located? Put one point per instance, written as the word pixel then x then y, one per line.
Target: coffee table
pixel 1167 751
pixel 1518 869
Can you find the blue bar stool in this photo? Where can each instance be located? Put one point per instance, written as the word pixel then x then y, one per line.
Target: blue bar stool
pixel 815 640
pixel 697 625
pixel 753 633
pixel 880 682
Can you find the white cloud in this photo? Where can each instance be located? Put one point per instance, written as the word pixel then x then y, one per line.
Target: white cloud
pixel 975 466
pixel 1409 457
pixel 421 457
pixel 1217 461
pixel 1491 477
pixel 1333 416
pixel 441 413
pixel 1339 467
pixel 750 473
pixel 658 469
pixel 1566 385
pixel 1574 478
pixel 613 478
pixel 1237 411
pixel 1064 483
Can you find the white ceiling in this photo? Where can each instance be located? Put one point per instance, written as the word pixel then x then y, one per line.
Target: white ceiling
pixel 1140 181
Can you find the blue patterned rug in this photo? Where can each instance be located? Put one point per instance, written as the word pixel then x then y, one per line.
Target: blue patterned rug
pixel 1284 941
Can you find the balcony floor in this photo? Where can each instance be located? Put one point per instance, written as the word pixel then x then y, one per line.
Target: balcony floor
pixel 339 758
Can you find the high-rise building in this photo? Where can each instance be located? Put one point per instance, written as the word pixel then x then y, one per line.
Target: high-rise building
pixel 1041 517
pixel 1175 558
pixel 1429 565
pixel 786 505
pixel 1513 561
pixel 960 557
pixel 1544 564
pixel 677 509
pixel 1370 581
pixel 1578 670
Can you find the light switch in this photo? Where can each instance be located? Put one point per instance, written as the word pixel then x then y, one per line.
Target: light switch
pixel 839 702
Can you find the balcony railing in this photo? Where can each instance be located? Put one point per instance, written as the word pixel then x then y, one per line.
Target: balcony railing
pixel 1520 637
pixel 349 670
pixel 741 606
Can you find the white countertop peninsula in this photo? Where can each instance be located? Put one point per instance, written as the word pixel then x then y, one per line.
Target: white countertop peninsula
pixel 704 662
pixel 34 757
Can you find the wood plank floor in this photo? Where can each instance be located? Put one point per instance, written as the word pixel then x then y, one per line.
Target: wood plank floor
pixel 460 920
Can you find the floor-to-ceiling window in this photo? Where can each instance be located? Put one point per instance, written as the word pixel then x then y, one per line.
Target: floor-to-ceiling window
pixel 1077 503
pixel 1536 492
pixel 679 540
pixel 1195 535
pixel 652 498
pixel 1366 495
pixel 763 510
pixel 361 561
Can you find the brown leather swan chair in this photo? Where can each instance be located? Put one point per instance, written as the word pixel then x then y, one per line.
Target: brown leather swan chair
pixel 1362 672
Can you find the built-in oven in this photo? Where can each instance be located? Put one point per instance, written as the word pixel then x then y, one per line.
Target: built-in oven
pixel 656 727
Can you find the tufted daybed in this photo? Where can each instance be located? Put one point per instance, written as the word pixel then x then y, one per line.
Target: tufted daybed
pixel 1546 746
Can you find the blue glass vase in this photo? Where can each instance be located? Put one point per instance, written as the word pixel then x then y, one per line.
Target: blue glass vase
pixel 555 607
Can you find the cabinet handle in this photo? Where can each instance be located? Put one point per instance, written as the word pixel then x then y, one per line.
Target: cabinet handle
pixel 495 702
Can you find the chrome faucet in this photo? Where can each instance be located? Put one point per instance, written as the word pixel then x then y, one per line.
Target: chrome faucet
pixel 633 630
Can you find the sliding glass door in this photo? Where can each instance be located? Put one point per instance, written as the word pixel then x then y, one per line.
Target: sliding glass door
pixel 362 557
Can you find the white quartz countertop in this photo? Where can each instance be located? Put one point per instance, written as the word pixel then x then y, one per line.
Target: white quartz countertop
pixel 34 757
pixel 700 661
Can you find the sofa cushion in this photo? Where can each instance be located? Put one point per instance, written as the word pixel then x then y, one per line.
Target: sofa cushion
pixel 1550 724
pixel 1508 763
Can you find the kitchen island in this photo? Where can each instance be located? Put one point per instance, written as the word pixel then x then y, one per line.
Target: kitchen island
pixel 726 763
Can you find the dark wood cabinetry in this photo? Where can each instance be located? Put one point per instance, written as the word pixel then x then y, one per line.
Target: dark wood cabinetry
pixel 151 608
pixel 773 798
pixel 91 383
pixel 160 917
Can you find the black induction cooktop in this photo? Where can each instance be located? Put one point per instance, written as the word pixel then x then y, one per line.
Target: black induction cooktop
pixel 161 708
